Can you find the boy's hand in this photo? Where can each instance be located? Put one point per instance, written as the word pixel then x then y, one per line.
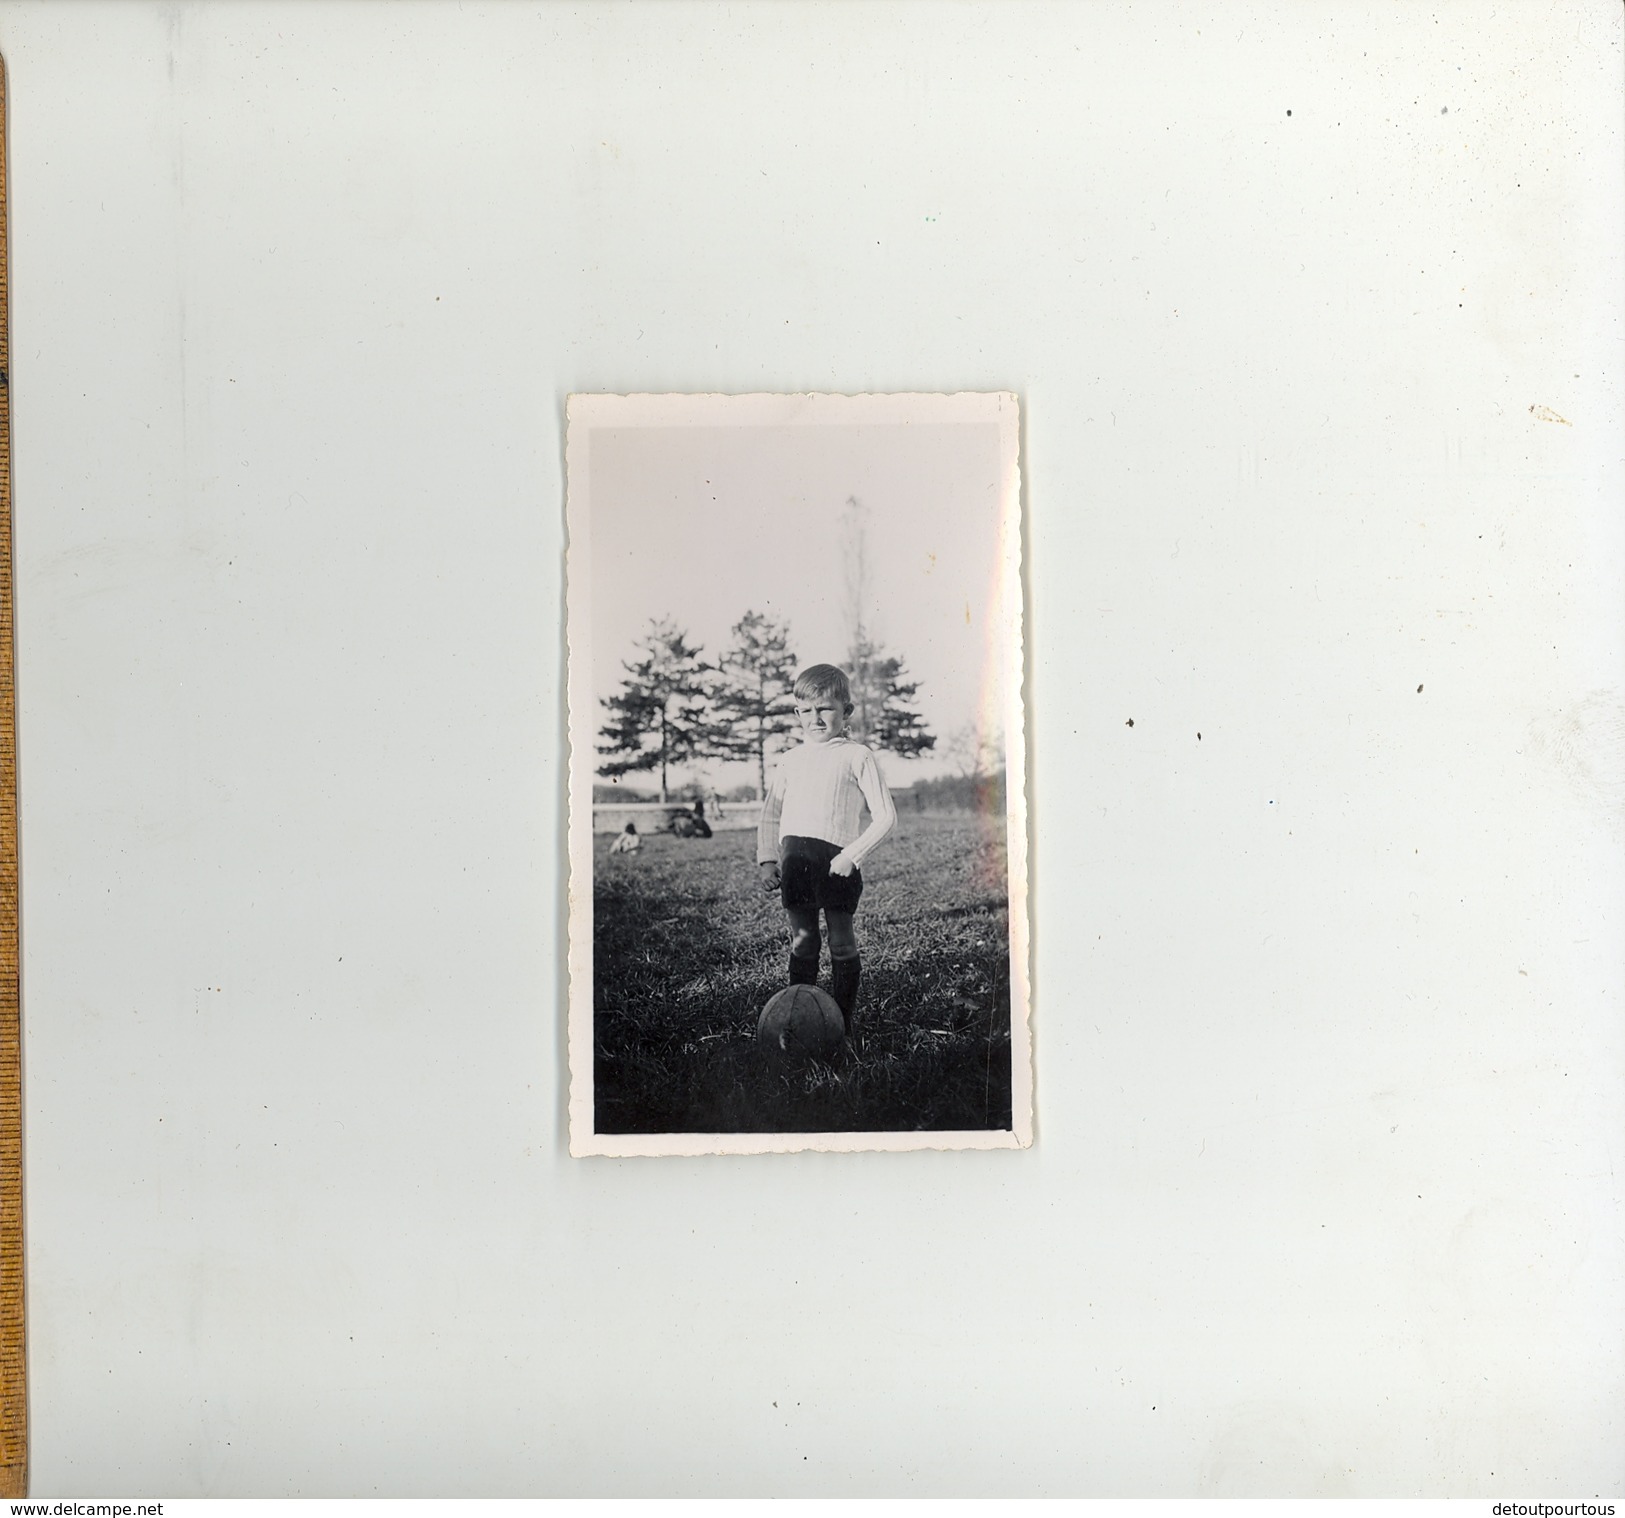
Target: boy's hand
pixel 770 874
pixel 841 864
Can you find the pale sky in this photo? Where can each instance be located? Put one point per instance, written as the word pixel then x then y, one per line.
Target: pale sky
pixel 706 523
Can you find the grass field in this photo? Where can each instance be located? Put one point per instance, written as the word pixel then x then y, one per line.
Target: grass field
pixel 688 946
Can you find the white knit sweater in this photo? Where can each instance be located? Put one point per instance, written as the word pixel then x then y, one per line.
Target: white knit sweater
pixel 817 791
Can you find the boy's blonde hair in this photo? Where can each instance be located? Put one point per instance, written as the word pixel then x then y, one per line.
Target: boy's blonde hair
pixel 824 680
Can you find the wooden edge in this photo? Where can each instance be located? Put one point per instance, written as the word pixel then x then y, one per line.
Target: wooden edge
pixel 13 1325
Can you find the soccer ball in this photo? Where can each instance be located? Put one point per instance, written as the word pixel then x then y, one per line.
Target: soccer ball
pixel 802 1020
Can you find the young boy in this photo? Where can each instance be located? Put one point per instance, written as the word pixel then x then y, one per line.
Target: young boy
pixel 809 843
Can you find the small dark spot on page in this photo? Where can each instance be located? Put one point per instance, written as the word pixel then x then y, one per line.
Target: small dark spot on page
pixel 1289 113
pixel 1130 722
pixel 1419 690
pixel 1198 737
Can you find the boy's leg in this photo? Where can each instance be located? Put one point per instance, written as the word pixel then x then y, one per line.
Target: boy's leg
pixel 845 965
pixel 804 945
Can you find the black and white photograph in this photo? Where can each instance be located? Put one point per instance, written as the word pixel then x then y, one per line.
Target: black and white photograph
pixel 814 751
pixel 797 809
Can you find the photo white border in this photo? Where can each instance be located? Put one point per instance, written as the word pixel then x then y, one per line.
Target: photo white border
pixel 583 414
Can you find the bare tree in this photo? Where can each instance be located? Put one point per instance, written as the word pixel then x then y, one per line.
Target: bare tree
pixel 975 750
pixel 883 698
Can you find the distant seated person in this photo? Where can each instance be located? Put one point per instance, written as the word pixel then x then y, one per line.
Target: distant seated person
pixel 691 824
pixel 627 842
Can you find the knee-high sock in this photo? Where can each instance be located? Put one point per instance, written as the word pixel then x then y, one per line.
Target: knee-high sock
pixel 844 974
pixel 803 969
pixel 804 946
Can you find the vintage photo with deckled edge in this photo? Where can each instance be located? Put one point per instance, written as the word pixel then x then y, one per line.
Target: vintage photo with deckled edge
pixel 797 811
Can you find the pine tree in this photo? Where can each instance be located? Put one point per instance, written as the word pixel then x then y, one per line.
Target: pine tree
pixel 658 717
pixel 883 713
pixel 753 695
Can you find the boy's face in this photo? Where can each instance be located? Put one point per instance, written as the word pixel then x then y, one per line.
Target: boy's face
pixel 822 718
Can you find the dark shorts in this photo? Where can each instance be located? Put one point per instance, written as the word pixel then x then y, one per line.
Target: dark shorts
pixel 805 880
